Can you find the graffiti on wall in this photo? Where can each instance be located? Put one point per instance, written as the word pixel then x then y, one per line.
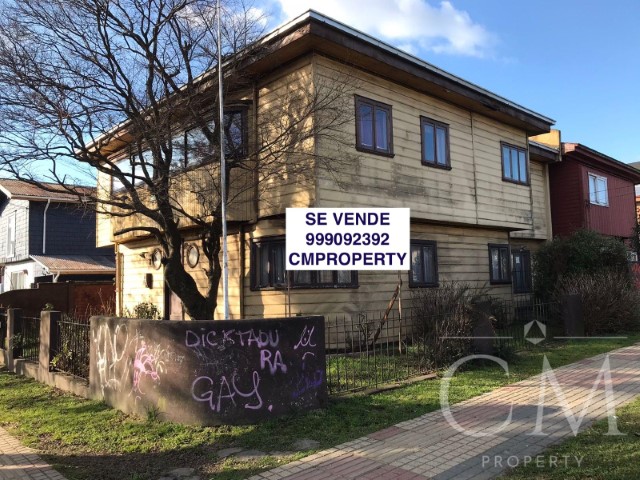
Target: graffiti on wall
pixel 231 369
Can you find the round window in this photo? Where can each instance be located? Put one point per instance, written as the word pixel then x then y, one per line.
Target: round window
pixel 156 259
pixel 193 255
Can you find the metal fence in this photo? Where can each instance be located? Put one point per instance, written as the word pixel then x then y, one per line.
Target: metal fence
pixel 522 323
pixel 70 353
pixel 367 350
pixel 26 338
pixel 3 327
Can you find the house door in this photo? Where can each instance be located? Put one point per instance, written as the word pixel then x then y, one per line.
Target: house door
pixel 175 305
pixel 521 271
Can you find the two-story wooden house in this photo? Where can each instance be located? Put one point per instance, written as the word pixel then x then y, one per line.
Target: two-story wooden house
pixel 47 236
pixel 456 154
pixel 590 190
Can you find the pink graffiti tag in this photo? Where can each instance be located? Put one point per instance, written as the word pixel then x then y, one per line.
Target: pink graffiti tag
pixel 145 364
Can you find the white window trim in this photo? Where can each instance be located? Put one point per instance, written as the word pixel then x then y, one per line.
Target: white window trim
pixel 599 201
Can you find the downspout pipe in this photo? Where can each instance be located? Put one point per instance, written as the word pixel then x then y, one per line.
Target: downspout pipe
pixel 44 227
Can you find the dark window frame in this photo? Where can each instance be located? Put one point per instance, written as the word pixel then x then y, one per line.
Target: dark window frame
pixel 359 100
pixel 184 165
pixel 526 155
pixel 242 153
pixel 314 284
pixel 435 123
pixel 526 268
pixel 500 281
pixel 429 243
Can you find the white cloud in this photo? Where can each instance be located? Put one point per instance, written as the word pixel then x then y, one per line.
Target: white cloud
pixel 411 24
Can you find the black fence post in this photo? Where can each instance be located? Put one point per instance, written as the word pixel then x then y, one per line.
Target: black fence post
pixel 572 316
pixel 14 320
pixel 483 332
pixel 48 338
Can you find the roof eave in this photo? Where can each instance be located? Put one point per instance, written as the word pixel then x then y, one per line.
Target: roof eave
pixel 600 160
pixel 331 36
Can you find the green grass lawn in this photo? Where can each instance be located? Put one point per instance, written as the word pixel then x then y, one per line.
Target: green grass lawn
pixel 88 440
pixel 602 456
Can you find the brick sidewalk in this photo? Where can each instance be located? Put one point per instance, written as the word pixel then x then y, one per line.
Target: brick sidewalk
pixel 18 462
pixel 428 447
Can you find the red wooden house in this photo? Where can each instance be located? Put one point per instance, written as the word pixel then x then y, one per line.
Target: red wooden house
pixel 594 191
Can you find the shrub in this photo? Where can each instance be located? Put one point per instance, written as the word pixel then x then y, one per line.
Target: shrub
pixel 446 311
pixel 144 310
pixel 610 302
pixel 584 252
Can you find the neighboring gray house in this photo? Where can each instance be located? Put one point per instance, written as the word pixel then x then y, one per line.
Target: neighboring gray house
pixel 47 236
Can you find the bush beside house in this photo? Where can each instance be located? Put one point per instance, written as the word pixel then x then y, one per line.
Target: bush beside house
pixel 595 268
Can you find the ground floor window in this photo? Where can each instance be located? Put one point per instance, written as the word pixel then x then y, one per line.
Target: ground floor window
pixel 268 270
pixel 499 268
pixel 424 264
pixel 18 280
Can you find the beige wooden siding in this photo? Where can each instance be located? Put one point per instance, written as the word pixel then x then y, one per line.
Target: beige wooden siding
pixel 135 267
pixel 463 255
pixel 104 230
pixel 199 274
pixel 500 203
pixel 472 192
pixel 540 206
pixel 287 167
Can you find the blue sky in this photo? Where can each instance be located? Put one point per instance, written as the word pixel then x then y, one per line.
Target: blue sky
pixel 576 61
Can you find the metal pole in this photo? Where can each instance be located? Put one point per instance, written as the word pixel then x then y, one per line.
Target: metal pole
pixel 223 176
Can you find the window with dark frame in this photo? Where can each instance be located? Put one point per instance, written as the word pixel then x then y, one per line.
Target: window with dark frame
pixel 521 271
pixel 435 143
pixel 268 270
pixel 198 149
pixel 189 149
pixel 374 130
pixel 499 265
pixel 424 264
pixel 514 164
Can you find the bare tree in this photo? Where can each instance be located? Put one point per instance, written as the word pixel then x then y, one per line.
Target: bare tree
pixel 108 86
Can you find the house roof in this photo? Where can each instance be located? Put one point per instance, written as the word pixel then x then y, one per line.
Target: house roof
pixel 22 190
pixel 77 264
pixel 315 32
pixel 544 153
pixel 596 159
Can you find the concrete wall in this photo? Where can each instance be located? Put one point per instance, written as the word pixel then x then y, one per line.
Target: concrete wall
pixel 206 372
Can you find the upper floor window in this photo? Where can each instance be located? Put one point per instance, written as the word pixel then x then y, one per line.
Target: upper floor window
pixel 374 131
pixel 514 164
pixel 135 168
pixel 499 268
pixel 189 148
pixel 268 268
pixel 198 149
pixel 424 264
pixel 598 190
pixel 435 143
pixel 11 235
